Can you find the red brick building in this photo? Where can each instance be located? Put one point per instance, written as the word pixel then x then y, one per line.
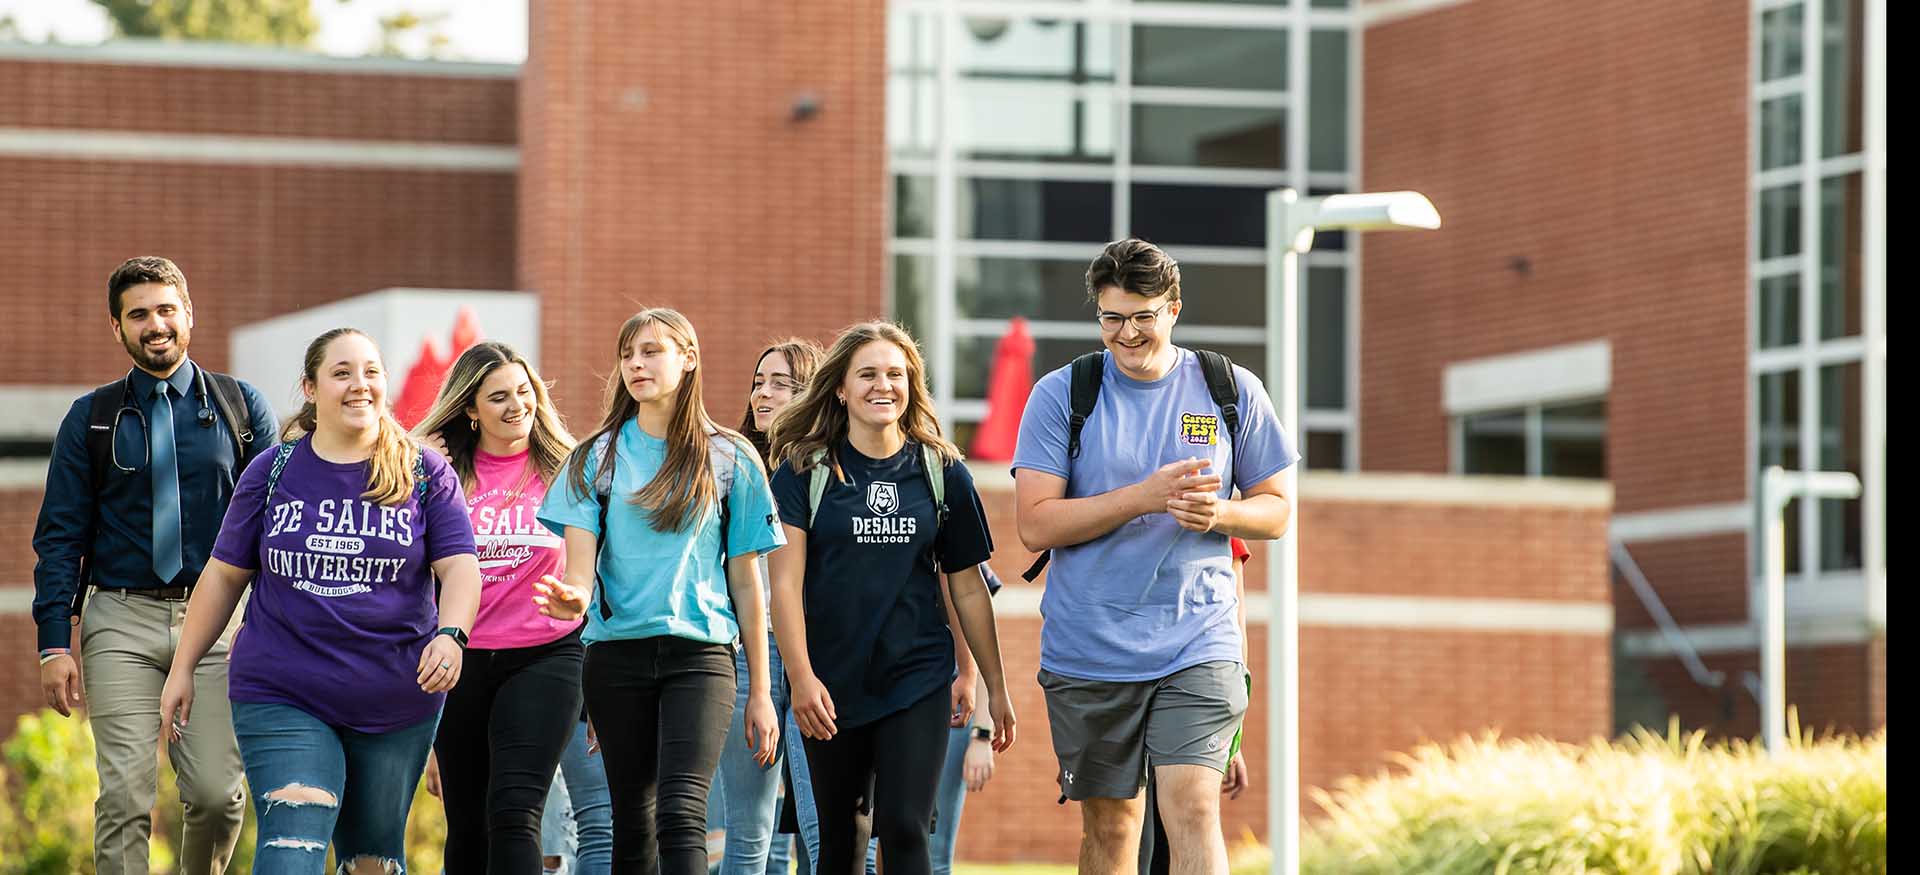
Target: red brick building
pixel 1592 308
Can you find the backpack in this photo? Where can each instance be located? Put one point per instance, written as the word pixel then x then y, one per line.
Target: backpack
pixel 284 451
pixel 721 452
pixel 1084 393
pixel 929 463
pixel 105 403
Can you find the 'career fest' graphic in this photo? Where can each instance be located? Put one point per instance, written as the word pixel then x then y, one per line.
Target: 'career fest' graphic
pixel 335 561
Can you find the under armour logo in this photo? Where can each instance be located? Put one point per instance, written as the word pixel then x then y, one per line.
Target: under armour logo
pixel 1213 743
pixel 1066 776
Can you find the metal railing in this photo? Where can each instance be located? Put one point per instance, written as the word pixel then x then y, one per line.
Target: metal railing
pixel 1669 629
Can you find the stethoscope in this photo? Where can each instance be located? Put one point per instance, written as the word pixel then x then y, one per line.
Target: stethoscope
pixel 128 404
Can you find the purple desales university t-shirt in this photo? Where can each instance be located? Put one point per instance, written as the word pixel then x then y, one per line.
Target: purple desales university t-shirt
pixel 343 601
pixel 1149 598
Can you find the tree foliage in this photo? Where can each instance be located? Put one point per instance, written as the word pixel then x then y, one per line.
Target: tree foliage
pixel 255 22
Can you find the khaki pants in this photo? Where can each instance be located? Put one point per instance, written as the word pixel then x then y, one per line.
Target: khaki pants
pixel 126 645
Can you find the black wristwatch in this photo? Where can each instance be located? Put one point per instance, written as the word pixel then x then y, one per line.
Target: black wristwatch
pixel 981 733
pixel 458 635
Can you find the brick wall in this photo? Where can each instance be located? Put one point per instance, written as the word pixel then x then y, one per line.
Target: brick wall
pixel 254 241
pixel 1605 144
pixel 659 166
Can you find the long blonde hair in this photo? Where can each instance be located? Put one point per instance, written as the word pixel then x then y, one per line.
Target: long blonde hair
pixel 683 487
pixel 817 420
pixel 390 468
pixel 802 356
pixel 548 444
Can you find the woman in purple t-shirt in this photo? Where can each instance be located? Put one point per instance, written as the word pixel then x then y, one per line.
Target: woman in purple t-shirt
pixel 518 699
pixel 338 675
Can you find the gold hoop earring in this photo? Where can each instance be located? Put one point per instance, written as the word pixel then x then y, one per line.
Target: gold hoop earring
pixel 473 424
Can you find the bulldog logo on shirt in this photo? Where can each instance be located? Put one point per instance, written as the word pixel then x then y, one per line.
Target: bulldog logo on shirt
pixel 883 498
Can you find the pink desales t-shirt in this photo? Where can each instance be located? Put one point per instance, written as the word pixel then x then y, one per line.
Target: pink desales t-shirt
pixel 515 550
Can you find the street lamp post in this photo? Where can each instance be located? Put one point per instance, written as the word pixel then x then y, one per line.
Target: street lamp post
pixel 1291 221
pixel 1777 487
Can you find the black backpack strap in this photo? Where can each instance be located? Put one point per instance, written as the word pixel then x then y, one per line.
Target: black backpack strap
pixel 103 408
pixel 1225 389
pixel 233 408
pixel 1082 395
pixel 1223 386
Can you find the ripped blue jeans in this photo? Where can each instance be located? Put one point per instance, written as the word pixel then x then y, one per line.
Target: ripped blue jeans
pixel 300 769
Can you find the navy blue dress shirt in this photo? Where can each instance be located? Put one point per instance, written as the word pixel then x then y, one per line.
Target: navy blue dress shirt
pixel 114 528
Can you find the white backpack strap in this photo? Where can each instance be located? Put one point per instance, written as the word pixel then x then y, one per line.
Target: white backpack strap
pixel 602 482
pixel 722 453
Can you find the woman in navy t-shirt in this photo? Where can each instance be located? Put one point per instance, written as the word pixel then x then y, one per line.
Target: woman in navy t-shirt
pixel 861 577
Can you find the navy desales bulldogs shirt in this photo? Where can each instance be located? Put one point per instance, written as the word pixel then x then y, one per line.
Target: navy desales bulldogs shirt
pixel 876 625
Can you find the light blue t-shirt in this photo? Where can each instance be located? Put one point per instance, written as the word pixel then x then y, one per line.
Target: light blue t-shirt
pixel 1149 598
pixel 663 583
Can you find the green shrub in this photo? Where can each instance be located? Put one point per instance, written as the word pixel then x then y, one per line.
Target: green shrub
pixel 1647 805
pixel 47 788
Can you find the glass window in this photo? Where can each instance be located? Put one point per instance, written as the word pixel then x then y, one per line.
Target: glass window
pixel 911 104
pixel 1840 256
pixel 1494 443
pixel 1330 4
pixel 1001 120
pixel 1001 288
pixel 913 206
pixel 1326 364
pixel 1780 311
pixel 1035 209
pixel 1210 136
pixel 1780 42
pixel 913 293
pixel 1035 48
pixel 1840 78
pixel 1205 57
pixel 1779 413
pixel 1326 450
pixel 1840 450
pixel 1222 294
pixel 1780 132
pixel 1200 215
pixel 1327 100
pixel 1573 440
pixel 1780 221
pixel 913 42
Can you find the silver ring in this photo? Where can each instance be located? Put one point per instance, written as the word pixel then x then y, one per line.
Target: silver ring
pixel 446 665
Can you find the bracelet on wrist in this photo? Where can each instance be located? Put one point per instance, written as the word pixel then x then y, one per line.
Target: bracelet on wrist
pixel 52 653
pixel 981 733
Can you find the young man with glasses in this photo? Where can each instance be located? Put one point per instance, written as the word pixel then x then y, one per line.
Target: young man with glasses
pixel 141 472
pixel 1141 656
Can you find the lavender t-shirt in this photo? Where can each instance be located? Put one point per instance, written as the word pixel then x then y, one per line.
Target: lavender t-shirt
pixel 343 601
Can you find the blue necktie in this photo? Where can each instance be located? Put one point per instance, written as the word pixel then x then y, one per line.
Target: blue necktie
pixel 166 487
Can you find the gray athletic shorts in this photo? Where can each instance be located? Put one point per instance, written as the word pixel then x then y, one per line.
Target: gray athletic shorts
pixel 1105 732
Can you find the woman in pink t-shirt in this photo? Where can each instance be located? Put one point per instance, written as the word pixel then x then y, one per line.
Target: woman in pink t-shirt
pixel 518 700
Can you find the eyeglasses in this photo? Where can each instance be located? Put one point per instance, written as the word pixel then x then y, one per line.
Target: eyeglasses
pixel 1143 321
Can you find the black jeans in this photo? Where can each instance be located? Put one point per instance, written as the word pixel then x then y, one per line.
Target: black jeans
pixel 501 736
pixel 660 707
pixel 897 759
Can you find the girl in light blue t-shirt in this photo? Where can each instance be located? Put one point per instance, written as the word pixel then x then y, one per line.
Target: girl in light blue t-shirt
pixel 674 509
